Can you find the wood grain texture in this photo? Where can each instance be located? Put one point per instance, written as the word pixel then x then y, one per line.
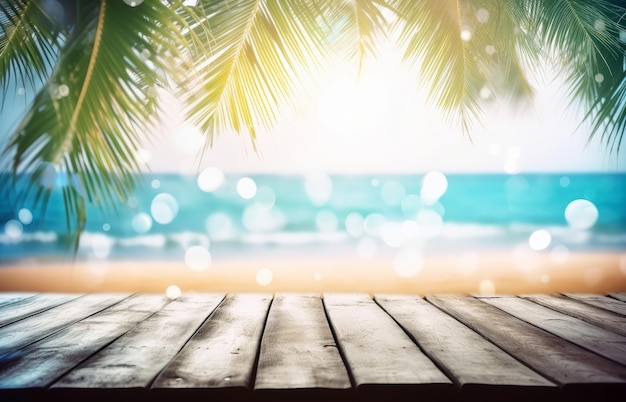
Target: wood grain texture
pixel 588 336
pixel 12 297
pixel 24 332
pixel 222 354
pixel 41 363
pixel 607 303
pixel 135 359
pixel 619 296
pixel 298 350
pixel 575 308
pixel 377 351
pixel 556 359
pixel 32 305
pixel 470 359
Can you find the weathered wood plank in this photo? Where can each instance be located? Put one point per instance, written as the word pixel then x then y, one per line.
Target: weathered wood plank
pixel 32 305
pixel 221 356
pixel 133 360
pixel 476 365
pixel 600 341
pixel 24 332
pixel 298 351
pixel 12 297
pixel 41 363
pixel 558 360
pixel 619 296
pixel 607 303
pixel 378 352
pixel 586 312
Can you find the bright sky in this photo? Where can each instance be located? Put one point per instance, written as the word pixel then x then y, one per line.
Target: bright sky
pixel 381 124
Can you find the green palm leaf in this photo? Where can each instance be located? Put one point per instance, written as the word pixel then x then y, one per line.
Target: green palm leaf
pixel 27 45
pixel 466 51
pixel 86 120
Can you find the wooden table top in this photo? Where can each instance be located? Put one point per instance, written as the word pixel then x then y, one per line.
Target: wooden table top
pixel 203 346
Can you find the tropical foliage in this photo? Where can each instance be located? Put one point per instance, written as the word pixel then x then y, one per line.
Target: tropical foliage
pixel 94 67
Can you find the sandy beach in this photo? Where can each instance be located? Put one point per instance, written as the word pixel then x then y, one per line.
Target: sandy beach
pixel 485 273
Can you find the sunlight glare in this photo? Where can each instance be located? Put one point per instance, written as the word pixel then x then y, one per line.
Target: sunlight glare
pixel 188 139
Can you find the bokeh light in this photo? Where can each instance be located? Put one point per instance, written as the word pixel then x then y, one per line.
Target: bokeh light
pixel 373 223
pixel 265 197
pixel 155 184
pixel 164 208
pixel 220 226
pixel 408 262
pixel 48 175
pixel 142 223
pixel 246 188
pixel 173 292
pixel 430 223
pixel 486 287
pixel 434 185
pixel 264 277
pixel 539 240
pixel 25 216
pixel 319 188
pixel 392 193
pixel 392 234
pixel 581 214
pixel 354 224
pixel 210 179
pixel 257 218
pixel 13 229
pixel 198 258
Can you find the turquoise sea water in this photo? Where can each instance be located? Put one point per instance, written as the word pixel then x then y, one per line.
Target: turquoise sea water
pixel 362 216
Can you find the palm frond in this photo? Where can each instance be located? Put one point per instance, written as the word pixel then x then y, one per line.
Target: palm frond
pixel 436 35
pixel 258 52
pixel 28 45
pixel 86 120
pixel 357 26
pixel 587 39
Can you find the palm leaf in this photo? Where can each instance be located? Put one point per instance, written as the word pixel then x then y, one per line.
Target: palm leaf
pixel 27 45
pixel 259 50
pixel 357 27
pixel 85 121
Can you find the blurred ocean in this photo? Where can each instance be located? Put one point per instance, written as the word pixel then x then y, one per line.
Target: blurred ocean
pixel 200 218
